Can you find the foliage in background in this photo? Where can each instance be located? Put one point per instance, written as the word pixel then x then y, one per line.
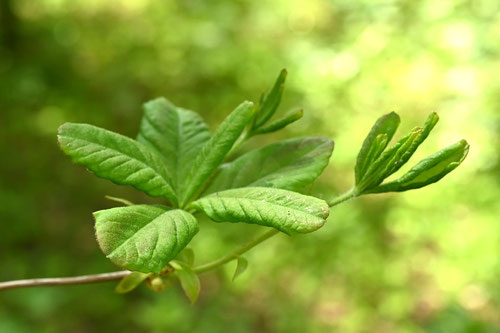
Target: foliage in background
pixel 408 263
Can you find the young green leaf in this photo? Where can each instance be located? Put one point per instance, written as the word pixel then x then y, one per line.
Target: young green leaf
pixel 271 101
pixel 144 238
pixel 176 133
pixel 189 280
pixel 241 267
pixel 124 202
pixel 130 282
pixel 289 164
pixel 375 143
pixel 216 149
pixel 186 256
pixel 429 170
pixel 287 211
pixel 116 157
pixel 280 123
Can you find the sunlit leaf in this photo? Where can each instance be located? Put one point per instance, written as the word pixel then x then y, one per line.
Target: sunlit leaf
pixel 241 267
pixel 289 164
pixel 189 280
pixel 117 158
pixel 287 211
pixel 144 238
pixel 429 170
pixel 131 281
pixel 177 134
pixel 216 149
pixel 375 142
pixel 280 123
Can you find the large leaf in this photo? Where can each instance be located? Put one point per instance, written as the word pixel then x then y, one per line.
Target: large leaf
pixel 290 165
pixel 216 149
pixel 429 170
pixel 376 142
pixel 176 133
pixel 116 157
pixel 287 211
pixel 144 238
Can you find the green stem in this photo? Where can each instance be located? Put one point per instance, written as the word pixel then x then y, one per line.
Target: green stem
pixel 341 198
pixel 235 254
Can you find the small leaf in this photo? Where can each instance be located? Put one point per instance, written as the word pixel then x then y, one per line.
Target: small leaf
pixel 177 134
pixel 241 267
pixel 125 202
pixel 131 281
pixel 186 256
pixel 216 149
pixel 271 101
pixel 374 143
pixel 287 211
pixel 189 280
pixel 429 170
pixel 116 157
pixel 280 123
pixel 144 238
pixel 290 164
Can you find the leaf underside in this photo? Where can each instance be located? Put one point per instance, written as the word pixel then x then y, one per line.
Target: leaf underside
pixel 117 158
pixel 287 211
pixel 144 238
pixel 290 165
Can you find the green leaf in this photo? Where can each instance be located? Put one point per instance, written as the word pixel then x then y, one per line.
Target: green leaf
pixel 116 157
pixel 241 267
pixel 177 134
pixel 287 211
pixel 124 202
pixel 280 123
pixel 186 256
pixel 429 170
pixel 271 101
pixel 376 141
pixel 189 280
pixel 144 238
pixel 130 282
pixel 289 164
pixel 216 149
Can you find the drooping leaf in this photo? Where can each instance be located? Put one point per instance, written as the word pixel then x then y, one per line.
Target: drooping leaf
pixel 177 134
pixel 186 256
pixel 287 211
pixel 116 157
pixel 429 170
pixel 130 282
pixel 216 149
pixel 376 142
pixel 271 101
pixel 280 123
pixel 289 164
pixel 189 280
pixel 241 267
pixel 144 238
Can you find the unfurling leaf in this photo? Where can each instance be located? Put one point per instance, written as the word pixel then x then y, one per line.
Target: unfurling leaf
pixel 118 158
pixel 269 104
pixel 287 211
pixel 144 238
pixel 375 142
pixel 280 123
pixel 189 280
pixel 215 150
pixel 429 170
pixel 290 165
pixel 131 281
pixel 241 267
pixel 177 134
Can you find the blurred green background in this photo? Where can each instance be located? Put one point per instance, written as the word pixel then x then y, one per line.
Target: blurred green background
pixel 421 261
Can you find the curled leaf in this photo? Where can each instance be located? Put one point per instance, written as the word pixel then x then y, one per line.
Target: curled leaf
pixel 429 170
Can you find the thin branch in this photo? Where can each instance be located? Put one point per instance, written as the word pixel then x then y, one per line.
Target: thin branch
pixel 63 281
